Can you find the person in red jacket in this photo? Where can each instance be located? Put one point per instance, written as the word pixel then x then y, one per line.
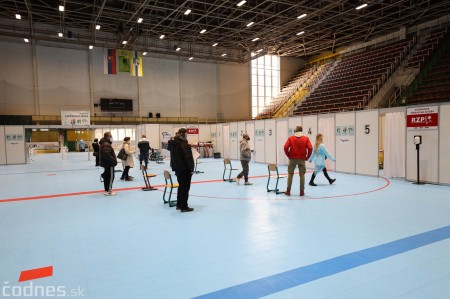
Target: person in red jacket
pixel 298 149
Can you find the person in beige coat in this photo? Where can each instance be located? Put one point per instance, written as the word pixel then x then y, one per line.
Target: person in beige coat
pixel 129 162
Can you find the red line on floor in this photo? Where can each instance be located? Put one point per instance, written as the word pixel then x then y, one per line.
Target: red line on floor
pixel 36 273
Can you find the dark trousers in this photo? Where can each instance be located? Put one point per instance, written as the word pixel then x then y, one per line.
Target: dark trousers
pixel 184 181
pixel 244 172
pixel 108 178
pixel 143 157
pixel 97 160
pixel 125 172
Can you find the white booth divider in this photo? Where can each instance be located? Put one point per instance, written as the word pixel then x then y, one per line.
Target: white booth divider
pixel 2 146
pixel 259 141
pixel 367 142
pixel 220 140
pixel 193 132
pixel 241 130
pixel 429 154
pixel 250 128
pixel 204 133
pixel 444 144
pixel 234 141
pixel 310 130
pixel 165 132
pixel 282 136
pixel 213 136
pixel 394 143
pixel 270 140
pixel 15 145
pixel 345 142
pixel 226 140
pixel 326 126
pixel 292 123
pixel 153 136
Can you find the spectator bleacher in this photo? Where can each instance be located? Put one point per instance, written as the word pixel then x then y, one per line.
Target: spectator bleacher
pixel 430 44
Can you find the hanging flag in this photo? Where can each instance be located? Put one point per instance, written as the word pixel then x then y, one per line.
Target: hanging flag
pixel 136 68
pixel 124 61
pixel 110 65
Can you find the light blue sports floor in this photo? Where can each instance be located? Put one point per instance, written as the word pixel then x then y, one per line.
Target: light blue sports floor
pixel 362 237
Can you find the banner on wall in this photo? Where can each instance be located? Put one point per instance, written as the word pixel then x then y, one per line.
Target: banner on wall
pixel 422 118
pixel 124 61
pixel 75 118
pixel 136 69
pixel 110 62
pixel 192 130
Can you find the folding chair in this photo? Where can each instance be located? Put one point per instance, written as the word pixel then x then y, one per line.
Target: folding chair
pixel 171 185
pixel 195 169
pixel 229 168
pixel 273 168
pixel 147 176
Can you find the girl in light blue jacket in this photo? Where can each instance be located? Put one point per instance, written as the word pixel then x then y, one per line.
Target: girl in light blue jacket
pixel 319 155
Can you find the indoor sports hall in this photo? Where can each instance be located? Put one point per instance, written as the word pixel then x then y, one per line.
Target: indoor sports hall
pixel 367 82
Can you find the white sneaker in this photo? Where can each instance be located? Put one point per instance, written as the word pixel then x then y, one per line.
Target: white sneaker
pixel 238 180
pixel 248 183
pixel 110 193
pixel 106 193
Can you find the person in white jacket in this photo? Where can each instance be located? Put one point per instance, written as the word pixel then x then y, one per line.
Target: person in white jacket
pixel 320 153
pixel 129 162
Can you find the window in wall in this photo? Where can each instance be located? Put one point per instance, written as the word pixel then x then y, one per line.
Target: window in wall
pixel 265 81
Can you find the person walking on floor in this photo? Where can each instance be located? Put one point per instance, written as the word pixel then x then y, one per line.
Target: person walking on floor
pixel 182 163
pixel 246 156
pixel 319 155
pixel 108 161
pixel 144 150
pixel 96 148
pixel 129 161
pixel 298 149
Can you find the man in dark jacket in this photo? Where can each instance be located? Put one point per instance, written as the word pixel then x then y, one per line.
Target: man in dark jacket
pixel 182 163
pixel 107 160
pixel 144 149
pixel 96 148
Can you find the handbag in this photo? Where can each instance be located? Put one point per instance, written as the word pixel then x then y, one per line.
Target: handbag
pixel 122 155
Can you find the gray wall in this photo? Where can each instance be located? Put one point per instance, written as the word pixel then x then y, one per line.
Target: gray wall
pixel 289 66
pixel 70 79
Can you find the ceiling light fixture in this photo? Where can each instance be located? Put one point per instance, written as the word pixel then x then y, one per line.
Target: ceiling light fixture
pixel 145 53
pixel 224 54
pixel 361 6
pixel 161 36
pixel 301 32
pixel 187 12
pixel 178 49
pixel 124 42
pixel 250 24
pixel 91 47
pixel 241 3
pixel 255 39
pixel 26 40
pixel 97 27
pixel 60 34
pixel 302 16
pixel 203 31
pixel 140 20
pixel 18 16
pixel 190 58
pixel 259 50
pixel 215 44
pixel 61 8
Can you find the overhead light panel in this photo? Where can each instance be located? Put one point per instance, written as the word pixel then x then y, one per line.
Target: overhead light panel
pixel 203 31
pixel 250 24
pixel 190 58
pixel 301 32
pixel 26 40
pixel 60 34
pixel 124 42
pixel 91 47
pixel 187 12
pixel 98 27
pixel 161 36
pixel 241 3
pixel 255 39
pixel 302 16
pixel 215 44
pixel 140 20
pixel 178 49
pixel 145 53
pixel 18 16
pixel 259 50
pixel 361 6
pixel 225 54
pixel 61 8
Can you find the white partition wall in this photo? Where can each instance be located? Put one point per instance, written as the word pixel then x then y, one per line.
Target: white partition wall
pixel 270 140
pixel 220 140
pixel 259 150
pixel 15 144
pixel 429 153
pixel 292 123
pixel 234 141
pixel 345 142
pixel 193 132
pixel 250 128
pixel 367 142
pixel 394 143
pixel 226 140
pixel 152 133
pixel 213 136
pixel 204 133
pixel 326 126
pixel 165 132
pixel 310 130
pixel 2 146
pixel 282 136
pixel 444 144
